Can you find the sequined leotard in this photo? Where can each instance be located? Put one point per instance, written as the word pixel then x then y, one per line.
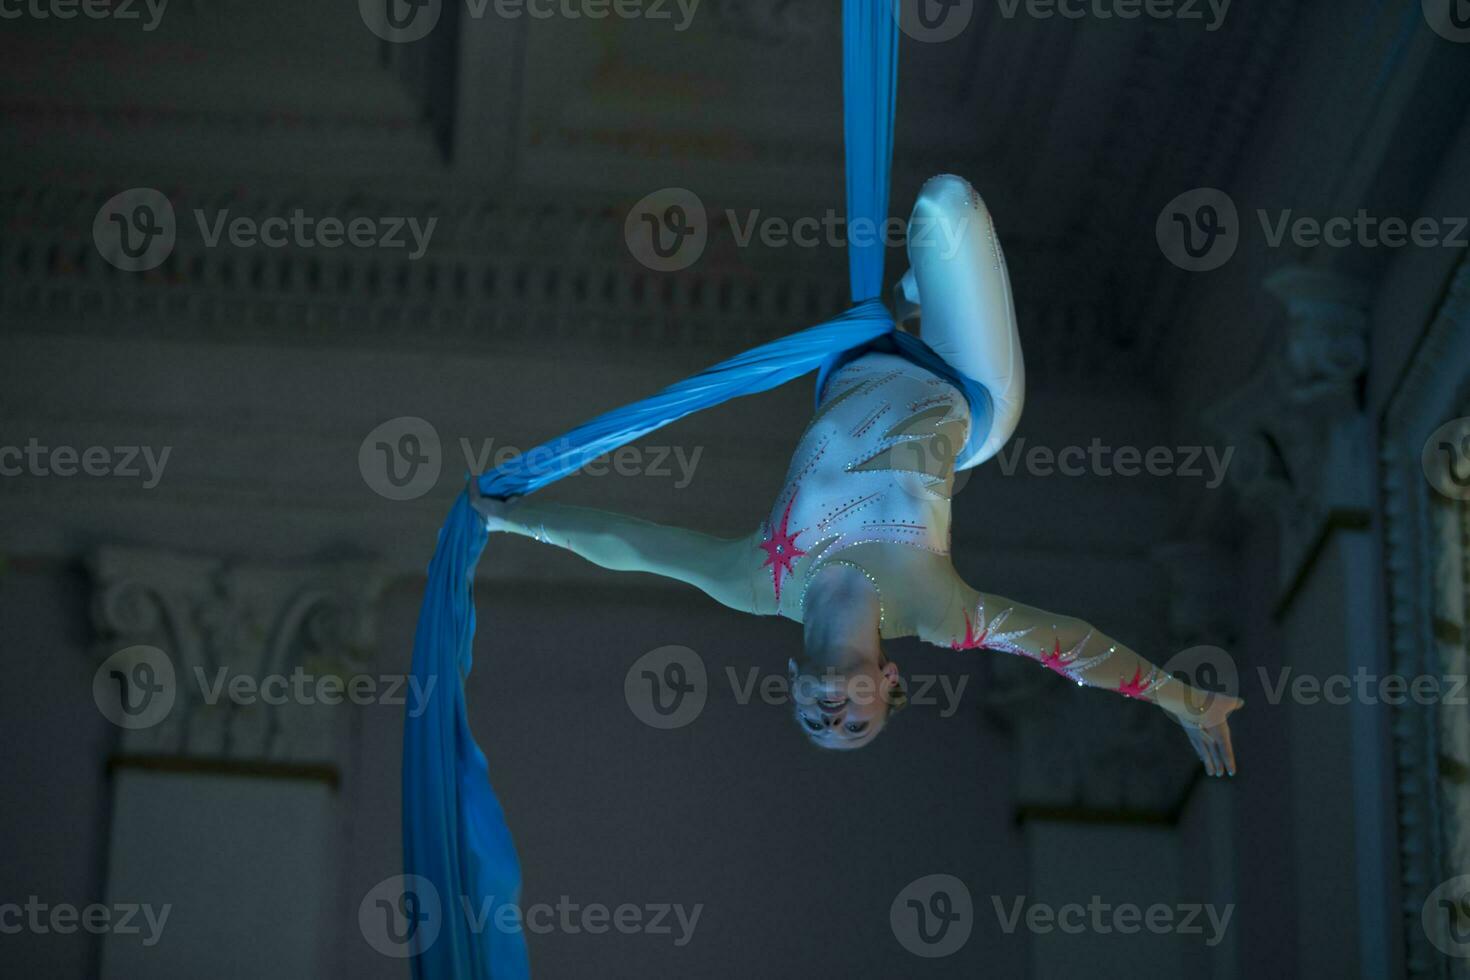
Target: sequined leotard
pixel 868 486
pixel 874 467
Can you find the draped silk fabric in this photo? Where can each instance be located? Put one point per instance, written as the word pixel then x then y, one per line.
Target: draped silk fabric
pixel 456 842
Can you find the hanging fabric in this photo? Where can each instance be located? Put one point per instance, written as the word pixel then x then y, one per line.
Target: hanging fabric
pixel 455 837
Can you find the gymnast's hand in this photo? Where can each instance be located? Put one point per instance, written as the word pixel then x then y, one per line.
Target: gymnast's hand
pixel 495 511
pixel 1208 728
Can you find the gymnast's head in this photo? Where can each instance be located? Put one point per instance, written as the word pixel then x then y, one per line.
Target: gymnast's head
pixel 838 709
pixel 844 689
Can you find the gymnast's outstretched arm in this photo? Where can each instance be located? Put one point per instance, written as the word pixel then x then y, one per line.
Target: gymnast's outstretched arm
pixel 1076 650
pixel 720 567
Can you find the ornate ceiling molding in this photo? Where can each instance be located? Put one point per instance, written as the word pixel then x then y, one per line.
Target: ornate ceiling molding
pixel 496 274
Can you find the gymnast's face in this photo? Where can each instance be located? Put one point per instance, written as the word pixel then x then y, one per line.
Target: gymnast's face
pixel 842 707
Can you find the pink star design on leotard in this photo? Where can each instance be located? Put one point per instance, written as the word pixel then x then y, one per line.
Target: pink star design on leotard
pixel 780 548
pixel 971 641
pixel 979 634
pixel 1054 661
pixel 1137 687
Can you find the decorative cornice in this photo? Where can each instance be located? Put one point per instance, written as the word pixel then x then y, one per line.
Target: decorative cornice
pixel 499 273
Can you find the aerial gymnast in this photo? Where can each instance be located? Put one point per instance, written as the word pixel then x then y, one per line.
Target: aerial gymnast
pixel 855 547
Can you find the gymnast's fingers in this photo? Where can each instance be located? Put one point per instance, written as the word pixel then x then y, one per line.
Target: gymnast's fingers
pixel 1197 739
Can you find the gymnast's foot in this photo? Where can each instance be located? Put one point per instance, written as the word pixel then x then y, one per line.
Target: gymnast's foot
pixel 496 512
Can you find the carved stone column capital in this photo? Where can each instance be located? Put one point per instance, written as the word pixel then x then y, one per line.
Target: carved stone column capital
pixel 248 662
pixel 1297 424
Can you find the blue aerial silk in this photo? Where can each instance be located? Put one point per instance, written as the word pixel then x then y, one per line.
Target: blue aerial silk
pixel 455 836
